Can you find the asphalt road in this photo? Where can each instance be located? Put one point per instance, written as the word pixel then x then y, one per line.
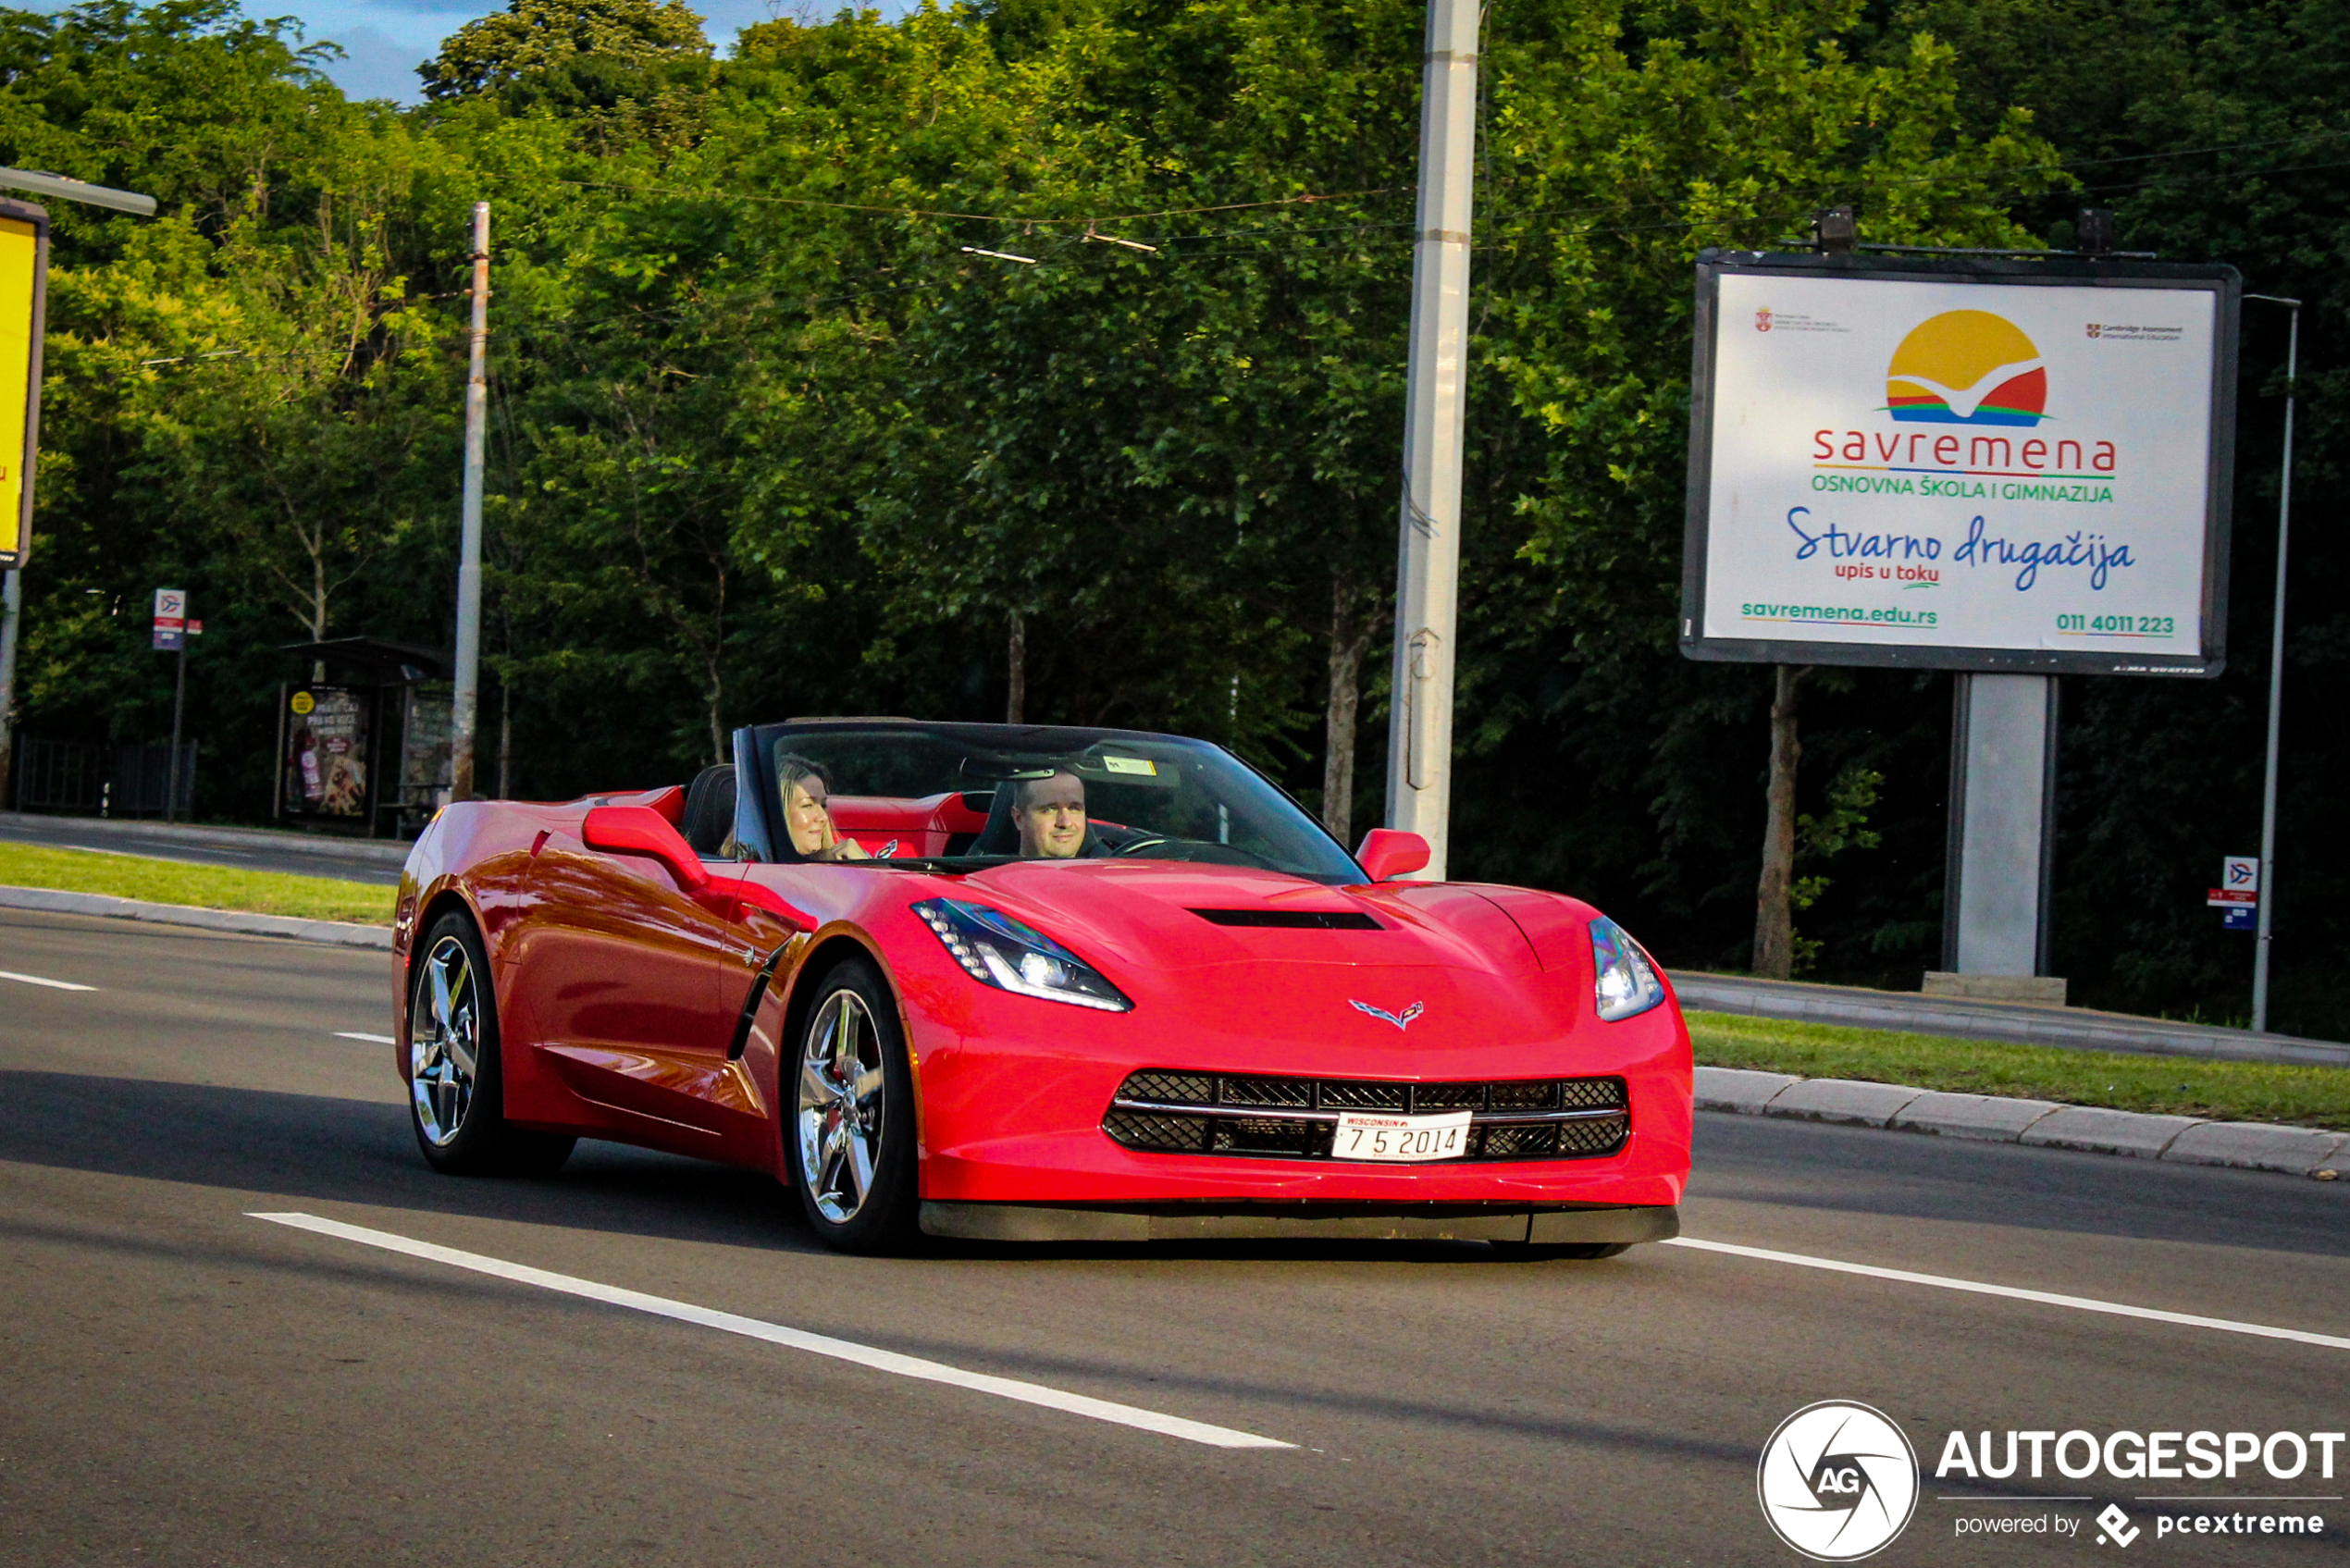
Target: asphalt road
pixel 180 1383
pixel 160 843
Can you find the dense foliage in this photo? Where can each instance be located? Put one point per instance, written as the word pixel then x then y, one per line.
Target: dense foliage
pixel 1048 353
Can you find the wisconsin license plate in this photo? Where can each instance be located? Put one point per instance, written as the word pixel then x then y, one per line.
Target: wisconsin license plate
pixel 1371 1135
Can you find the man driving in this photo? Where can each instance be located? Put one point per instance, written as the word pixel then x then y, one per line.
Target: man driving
pixel 1049 814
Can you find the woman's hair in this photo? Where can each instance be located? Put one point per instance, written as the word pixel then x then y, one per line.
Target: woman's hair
pixel 791 770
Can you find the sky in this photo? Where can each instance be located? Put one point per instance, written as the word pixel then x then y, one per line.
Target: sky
pixel 385 41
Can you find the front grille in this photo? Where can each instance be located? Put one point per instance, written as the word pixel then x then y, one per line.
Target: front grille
pixel 1196 1113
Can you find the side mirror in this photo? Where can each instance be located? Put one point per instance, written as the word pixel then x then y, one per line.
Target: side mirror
pixel 1389 853
pixel 640 830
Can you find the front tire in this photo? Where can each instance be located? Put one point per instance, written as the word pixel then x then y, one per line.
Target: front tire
pixel 849 1144
pixel 456 1099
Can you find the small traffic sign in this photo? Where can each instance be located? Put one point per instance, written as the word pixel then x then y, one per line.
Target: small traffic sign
pixel 171 620
pixel 2241 872
pixel 2240 916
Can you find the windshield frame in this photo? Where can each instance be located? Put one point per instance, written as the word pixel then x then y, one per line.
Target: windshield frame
pixel 755 751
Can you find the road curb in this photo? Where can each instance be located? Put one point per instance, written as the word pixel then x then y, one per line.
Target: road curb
pixel 2246 1145
pixel 338 933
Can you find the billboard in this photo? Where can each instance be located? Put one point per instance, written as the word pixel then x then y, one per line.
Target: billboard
pixel 1960 464
pixel 24 267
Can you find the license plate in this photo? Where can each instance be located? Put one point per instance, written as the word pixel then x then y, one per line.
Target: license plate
pixel 1369 1135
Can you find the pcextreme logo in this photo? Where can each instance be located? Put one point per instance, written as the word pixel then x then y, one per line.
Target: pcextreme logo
pixel 1839 1481
pixel 1967 367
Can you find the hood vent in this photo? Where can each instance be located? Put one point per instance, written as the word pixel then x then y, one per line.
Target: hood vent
pixel 1293 920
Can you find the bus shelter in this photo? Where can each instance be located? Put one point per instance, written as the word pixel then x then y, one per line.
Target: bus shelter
pixel 363 746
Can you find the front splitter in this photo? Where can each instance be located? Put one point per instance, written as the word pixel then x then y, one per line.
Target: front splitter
pixel 1351 1222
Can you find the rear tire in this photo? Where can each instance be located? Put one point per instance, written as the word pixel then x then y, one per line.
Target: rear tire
pixel 848 1143
pixel 456 1099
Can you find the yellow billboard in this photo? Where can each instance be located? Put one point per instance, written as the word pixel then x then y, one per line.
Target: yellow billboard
pixel 24 234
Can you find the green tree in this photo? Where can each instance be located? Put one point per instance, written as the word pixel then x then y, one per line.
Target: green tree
pixel 533 36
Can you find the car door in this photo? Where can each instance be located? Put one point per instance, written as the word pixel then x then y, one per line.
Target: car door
pixel 627 976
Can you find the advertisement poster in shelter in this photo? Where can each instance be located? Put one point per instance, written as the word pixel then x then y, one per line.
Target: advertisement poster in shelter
pixel 325 759
pixel 1967 472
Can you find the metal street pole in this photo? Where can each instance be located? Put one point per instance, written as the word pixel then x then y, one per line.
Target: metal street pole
pixel 65 187
pixel 465 710
pixel 11 605
pixel 2276 680
pixel 1419 759
pixel 178 704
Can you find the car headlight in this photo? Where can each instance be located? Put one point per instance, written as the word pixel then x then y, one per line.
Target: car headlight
pixel 997 950
pixel 1627 984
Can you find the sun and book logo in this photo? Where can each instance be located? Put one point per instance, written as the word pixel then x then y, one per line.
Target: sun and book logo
pixel 1967 367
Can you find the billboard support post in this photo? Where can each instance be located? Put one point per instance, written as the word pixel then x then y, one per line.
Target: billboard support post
pixel 1419 747
pixel 2276 681
pixel 465 710
pixel 2003 743
pixel 11 609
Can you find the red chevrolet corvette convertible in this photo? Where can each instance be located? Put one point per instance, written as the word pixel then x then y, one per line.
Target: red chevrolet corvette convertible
pixel 1026 983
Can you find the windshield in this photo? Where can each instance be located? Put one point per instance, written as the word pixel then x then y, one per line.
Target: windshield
pixel 966 796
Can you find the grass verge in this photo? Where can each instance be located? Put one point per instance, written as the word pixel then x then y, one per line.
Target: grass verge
pixel 208 887
pixel 2305 1096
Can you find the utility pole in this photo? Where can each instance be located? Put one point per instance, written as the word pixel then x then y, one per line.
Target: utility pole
pixel 2276 682
pixel 1419 754
pixel 465 710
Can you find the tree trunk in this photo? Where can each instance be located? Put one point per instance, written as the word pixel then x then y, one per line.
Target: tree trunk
pixel 317 548
pixel 1774 916
pixel 718 747
pixel 1350 634
pixel 505 741
pixel 1016 666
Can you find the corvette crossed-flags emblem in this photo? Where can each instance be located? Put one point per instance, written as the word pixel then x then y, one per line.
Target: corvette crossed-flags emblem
pixel 1398 1019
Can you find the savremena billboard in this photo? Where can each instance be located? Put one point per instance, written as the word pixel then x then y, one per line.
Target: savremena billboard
pixel 1970 465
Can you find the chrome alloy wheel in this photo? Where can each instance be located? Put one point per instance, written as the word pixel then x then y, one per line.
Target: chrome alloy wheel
pixel 841 1102
pixel 444 1042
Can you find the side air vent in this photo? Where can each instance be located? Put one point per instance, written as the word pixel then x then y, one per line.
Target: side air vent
pixel 1293 920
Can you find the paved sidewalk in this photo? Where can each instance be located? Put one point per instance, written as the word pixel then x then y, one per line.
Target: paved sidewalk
pixel 2248 1145
pixel 2079 1029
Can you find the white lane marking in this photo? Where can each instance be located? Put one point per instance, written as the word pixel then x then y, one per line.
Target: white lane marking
pixel 37 979
pixel 791 1338
pixel 2046 1298
pixel 370 1039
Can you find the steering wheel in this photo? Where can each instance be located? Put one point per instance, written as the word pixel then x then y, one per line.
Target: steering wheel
pixel 1201 850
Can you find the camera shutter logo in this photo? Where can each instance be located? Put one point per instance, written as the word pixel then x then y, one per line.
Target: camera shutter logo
pixel 1839 1481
